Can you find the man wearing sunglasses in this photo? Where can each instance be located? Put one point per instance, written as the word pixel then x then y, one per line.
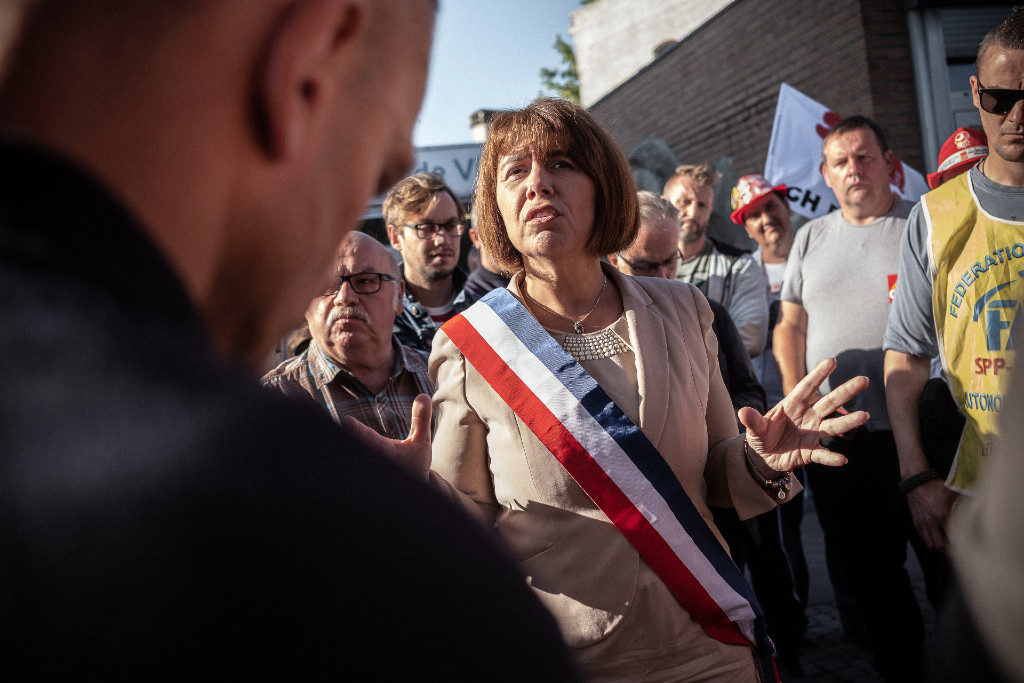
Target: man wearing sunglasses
pixel 425 222
pixel 353 365
pixel 959 291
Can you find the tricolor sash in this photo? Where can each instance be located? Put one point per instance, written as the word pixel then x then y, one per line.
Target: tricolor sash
pixel 614 463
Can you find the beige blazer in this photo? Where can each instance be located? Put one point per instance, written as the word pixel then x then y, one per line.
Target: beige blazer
pixel 609 604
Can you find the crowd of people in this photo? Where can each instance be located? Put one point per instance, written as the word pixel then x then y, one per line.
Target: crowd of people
pixel 584 459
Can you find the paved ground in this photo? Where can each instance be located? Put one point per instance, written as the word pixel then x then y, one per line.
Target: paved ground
pixel 826 654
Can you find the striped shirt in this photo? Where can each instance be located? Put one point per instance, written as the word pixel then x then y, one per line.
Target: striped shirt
pixel 314 375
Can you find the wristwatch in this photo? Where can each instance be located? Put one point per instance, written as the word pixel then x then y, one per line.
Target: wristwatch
pixel 916 480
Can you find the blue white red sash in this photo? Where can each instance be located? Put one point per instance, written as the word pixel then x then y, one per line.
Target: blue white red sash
pixel 614 463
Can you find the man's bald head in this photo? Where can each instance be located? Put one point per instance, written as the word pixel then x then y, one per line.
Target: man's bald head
pixel 245 136
pixel 366 250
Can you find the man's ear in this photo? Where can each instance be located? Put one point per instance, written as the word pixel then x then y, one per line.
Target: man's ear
pixel 298 72
pixel 394 237
pixel 821 167
pixel 400 299
pixel 890 159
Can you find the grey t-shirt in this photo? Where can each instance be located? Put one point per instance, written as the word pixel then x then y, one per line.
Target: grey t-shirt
pixel 843 274
pixel 912 326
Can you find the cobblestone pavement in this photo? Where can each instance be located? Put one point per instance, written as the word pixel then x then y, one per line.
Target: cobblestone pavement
pixel 826 655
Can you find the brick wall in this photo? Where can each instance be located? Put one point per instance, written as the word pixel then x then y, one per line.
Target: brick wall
pixel 891 75
pixel 713 95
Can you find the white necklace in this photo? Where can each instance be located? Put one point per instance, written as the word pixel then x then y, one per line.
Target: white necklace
pixel 577 325
pixel 603 343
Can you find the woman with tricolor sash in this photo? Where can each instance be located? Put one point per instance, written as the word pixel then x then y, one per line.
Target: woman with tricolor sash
pixel 584 413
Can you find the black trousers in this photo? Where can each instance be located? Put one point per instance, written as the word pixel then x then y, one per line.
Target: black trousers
pixel 770 546
pixel 865 519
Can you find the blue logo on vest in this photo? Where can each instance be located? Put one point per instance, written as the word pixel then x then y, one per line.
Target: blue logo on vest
pixel 994 322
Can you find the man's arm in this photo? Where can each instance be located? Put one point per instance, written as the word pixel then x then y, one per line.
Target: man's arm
pixel 744 389
pixel 748 305
pixel 909 342
pixel 905 377
pixel 790 344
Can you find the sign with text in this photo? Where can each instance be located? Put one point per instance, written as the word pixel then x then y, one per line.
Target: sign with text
pixel 457 164
pixel 794 156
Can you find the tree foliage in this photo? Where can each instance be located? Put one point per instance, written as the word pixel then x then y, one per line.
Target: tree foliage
pixel 564 81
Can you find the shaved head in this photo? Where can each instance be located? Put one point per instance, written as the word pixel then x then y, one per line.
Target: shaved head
pixel 246 137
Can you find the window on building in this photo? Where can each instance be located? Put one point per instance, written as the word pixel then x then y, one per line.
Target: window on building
pixel 944 45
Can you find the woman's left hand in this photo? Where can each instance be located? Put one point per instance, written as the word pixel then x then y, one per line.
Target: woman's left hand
pixel 789 434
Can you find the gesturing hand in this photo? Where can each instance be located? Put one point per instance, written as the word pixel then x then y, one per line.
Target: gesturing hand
pixel 412 452
pixel 788 435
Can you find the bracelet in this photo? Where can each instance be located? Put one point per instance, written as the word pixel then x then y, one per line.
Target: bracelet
pixel 916 480
pixel 779 487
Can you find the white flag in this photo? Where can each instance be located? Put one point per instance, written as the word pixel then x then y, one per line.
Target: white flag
pixel 794 156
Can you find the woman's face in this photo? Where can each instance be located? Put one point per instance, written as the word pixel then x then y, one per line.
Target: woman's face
pixel 547 204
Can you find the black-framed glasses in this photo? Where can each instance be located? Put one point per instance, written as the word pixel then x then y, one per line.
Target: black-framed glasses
pixel 427 230
pixel 998 101
pixel 649 267
pixel 362 283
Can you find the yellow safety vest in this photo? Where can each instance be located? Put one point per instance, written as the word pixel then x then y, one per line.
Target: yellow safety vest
pixel 977 263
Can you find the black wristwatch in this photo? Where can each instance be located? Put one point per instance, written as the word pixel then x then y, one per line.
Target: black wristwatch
pixel 916 480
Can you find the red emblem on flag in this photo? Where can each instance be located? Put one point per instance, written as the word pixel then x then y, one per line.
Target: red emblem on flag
pixel 892 286
pixel 830 119
pixel 897 177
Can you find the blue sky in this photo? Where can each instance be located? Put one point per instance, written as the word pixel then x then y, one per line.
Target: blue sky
pixel 487 55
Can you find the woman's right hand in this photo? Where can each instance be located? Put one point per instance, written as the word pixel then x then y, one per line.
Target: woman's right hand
pixel 789 434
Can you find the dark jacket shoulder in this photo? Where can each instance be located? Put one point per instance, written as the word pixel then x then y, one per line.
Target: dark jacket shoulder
pixel 415 328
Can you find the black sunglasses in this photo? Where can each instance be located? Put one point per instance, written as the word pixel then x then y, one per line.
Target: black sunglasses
pixel 998 101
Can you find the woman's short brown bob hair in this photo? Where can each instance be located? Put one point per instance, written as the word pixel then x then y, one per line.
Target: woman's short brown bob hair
pixel 551 128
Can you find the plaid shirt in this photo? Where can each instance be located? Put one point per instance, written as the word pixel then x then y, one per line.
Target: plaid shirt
pixel 314 375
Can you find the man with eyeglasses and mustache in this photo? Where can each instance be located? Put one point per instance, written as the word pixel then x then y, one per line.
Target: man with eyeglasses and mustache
pixel 425 221
pixel 353 365
pixel 960 289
